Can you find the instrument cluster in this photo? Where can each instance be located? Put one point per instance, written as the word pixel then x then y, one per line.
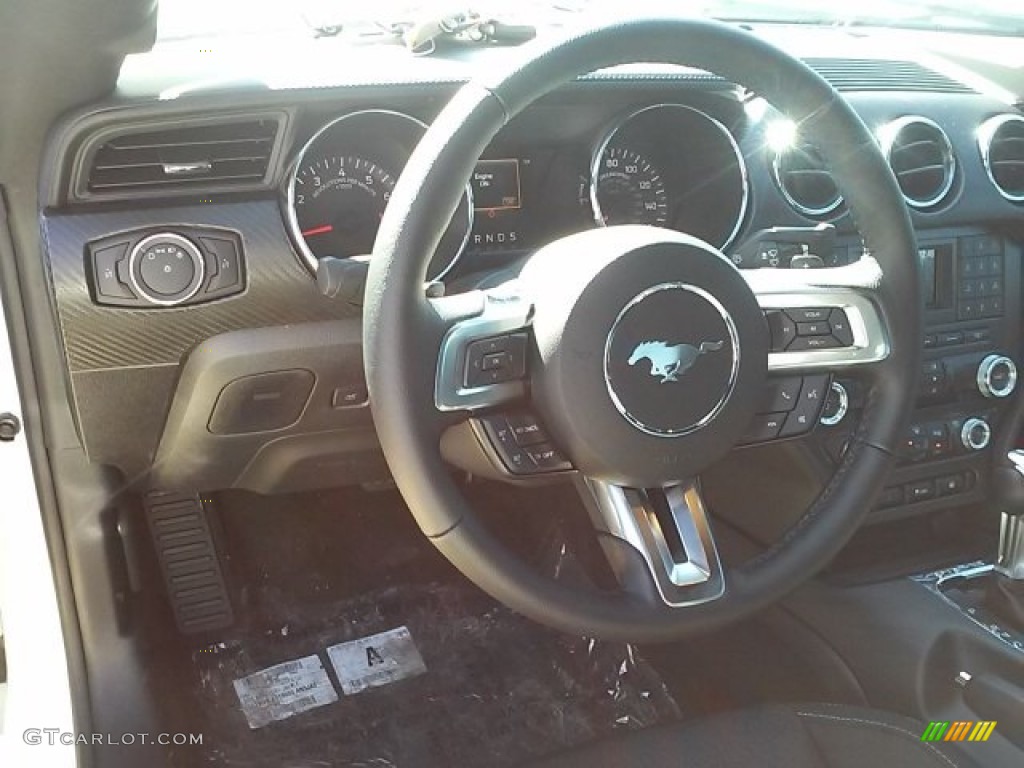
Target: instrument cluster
pixel 666 165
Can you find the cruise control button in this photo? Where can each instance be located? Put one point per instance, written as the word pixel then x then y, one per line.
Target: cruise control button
pixel 504 442
pixel 547 458
pixel 526 429
pixel 765 426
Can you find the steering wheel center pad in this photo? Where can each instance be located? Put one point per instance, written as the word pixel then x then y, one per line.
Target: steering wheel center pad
pixel 652 352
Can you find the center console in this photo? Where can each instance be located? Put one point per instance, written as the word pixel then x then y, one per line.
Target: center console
pixel 971 349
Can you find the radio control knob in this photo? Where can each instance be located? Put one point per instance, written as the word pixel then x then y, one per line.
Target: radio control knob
pixel 975 434
pixel 997 376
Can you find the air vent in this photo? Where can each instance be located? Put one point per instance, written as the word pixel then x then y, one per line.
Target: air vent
pixel 884 75
pixel 921 156
pixel 1001 140
pixel 184 156
pixel 804 181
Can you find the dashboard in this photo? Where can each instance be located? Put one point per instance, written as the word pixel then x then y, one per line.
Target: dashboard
pixel 184 240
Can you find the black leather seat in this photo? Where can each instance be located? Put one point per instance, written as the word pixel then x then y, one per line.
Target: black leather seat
pixel 814 736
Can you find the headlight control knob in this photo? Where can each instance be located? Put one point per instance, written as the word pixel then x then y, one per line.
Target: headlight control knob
pixel 166 269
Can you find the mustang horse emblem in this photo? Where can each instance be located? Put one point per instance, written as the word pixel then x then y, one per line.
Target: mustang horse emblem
pixel 671 362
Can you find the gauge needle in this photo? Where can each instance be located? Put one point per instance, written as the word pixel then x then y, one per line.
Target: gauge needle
pixel 317 230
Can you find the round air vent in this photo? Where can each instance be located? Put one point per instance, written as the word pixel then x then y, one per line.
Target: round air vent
pixel 921 156
pixel 1001 140
pixel 804 181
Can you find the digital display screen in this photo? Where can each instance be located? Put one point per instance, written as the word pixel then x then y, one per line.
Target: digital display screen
pixel 929 284
pixel 496 185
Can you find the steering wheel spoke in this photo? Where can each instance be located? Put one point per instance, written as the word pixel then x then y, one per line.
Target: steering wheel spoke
pixel 658 541
pixel 822 318
pixel 482 362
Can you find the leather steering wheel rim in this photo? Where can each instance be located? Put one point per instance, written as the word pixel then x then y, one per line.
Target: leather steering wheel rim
pixel 402 327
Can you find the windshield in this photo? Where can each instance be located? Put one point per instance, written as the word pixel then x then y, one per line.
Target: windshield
pixel 186 19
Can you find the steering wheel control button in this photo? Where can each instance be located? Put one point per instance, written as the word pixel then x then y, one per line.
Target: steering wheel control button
pixel 764 427
pixel 782 328
pixel 495 360
pixel 839 325
pixel 808 408
pixel 547 458
pixel 527 429
pixel 805 343
pixel 809 314
pixel 668 379
pixel 782 394
pixel 997 376
pixel 817 328
pixel 522 444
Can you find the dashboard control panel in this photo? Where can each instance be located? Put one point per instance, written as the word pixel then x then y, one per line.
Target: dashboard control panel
pixel 148 269
pixel 967 378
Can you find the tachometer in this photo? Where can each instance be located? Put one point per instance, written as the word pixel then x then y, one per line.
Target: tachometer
pixel 342 180
pixel 339 202
pixel 629 189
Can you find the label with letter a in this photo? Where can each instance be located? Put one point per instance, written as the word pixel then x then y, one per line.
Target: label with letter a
pixel 284 690
pixel 376 660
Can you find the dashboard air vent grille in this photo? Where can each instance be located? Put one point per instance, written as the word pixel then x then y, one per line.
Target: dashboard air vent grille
pixel 921 157
pixel 884 75
pixel 184 156
pixel 1001 140
pixel 804 181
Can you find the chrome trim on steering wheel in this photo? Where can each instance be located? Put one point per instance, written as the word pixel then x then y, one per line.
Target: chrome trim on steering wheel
pixel 504 311
pixel 848 288
pixel 686 572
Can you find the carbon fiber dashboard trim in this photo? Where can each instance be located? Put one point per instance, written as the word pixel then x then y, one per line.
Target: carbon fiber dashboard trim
pixel 280 291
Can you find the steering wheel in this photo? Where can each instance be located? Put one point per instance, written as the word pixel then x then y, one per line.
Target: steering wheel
pixel 568 337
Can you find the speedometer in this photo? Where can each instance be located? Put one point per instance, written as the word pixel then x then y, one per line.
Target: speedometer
pixel 339 202
pixel 629 189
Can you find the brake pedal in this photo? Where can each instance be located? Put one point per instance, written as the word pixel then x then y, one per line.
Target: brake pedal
pixel 189 561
